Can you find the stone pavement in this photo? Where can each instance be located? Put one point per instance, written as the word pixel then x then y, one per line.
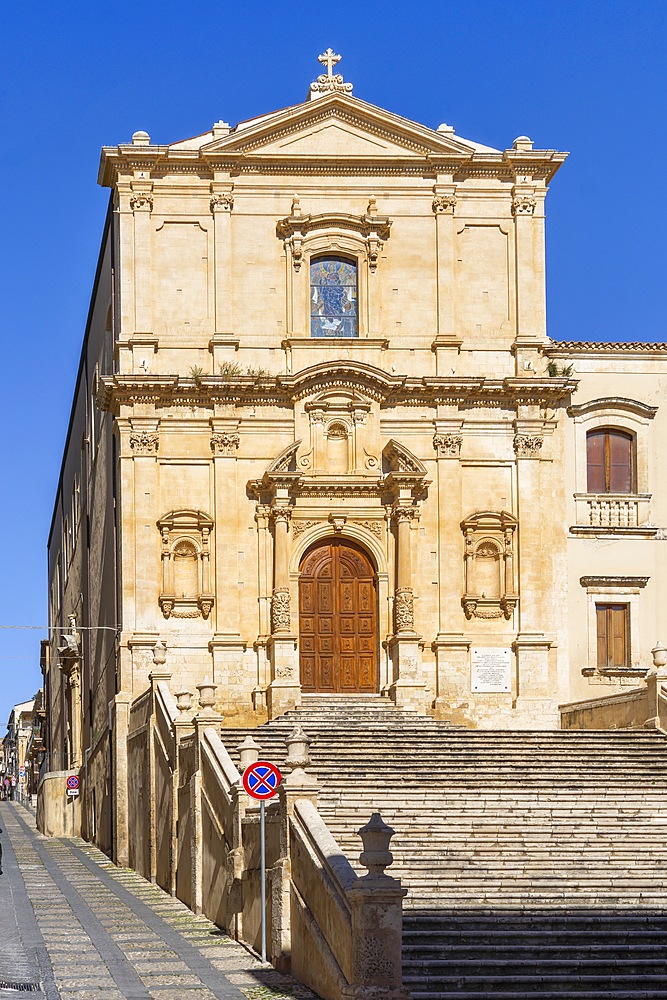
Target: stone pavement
pixel 74 926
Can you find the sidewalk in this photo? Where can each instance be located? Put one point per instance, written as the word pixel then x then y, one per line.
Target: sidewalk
pixel 94 930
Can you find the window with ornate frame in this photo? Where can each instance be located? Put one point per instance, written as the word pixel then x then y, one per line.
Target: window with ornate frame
pixel 613 618
pixel 612 440
pixel 333 237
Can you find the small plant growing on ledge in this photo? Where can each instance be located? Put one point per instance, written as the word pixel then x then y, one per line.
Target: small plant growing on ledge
pixel 229 369
pixel 553 371
pixel 195 374
pixel 258 372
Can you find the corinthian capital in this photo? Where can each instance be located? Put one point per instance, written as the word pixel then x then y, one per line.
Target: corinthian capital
pixel 281 514
pixel 403 513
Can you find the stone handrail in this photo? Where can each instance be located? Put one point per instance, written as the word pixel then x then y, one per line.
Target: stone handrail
pixel 624 710
pixel 229 774
pixel 321 875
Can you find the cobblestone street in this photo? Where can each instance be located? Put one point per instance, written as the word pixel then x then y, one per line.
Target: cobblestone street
pixel 75 926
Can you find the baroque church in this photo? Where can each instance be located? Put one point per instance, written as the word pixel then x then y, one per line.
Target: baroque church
pixel 322 444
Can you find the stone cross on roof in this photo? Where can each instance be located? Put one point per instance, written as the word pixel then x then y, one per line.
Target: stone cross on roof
pixel 329 59
pixel 326 82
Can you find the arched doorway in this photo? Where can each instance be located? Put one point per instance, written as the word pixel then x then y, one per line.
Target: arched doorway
pixel 338 642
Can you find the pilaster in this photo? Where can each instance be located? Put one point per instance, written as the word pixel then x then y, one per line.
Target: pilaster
pixel 222 203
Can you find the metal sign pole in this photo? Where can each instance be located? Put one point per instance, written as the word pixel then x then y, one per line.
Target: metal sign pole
pixel 262 848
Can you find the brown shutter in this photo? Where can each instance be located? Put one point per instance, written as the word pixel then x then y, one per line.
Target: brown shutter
pixel 595 453
pixel 620 463
pixel 619 652
pixel 601 615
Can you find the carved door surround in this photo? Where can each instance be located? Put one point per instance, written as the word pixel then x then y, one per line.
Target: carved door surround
pixel 338 635
pixel 489 573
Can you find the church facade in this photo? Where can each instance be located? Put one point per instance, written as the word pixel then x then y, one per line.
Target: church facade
pixel 322 442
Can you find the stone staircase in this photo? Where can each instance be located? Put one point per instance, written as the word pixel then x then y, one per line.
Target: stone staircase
pixel 535 862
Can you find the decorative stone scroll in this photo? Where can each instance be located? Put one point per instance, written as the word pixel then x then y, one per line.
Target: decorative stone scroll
pixel 447 445
pixel 224 444
pixel 222 201
pixel 444 204
pixel 144 442
pixel 281 618
pixel 141 200
pixel 528 445
pixel 523 204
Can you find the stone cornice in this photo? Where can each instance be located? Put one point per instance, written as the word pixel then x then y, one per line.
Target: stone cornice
pixel 390 390
pixel 413 146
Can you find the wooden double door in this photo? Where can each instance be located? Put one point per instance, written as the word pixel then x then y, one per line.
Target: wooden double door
pixel 338 640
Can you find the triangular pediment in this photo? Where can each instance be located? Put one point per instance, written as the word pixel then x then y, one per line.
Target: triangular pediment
pixel 337 126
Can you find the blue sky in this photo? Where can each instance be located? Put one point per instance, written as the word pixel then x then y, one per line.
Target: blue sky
pixel 590 78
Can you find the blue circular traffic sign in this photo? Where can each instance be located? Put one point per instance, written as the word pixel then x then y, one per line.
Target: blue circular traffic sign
pixel 261 779
pixel 72 781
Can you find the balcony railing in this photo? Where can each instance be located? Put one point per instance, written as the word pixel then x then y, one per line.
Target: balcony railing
pixel 612 511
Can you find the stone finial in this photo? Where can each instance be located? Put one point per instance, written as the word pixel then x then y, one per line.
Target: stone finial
pixel 523 143
pixel 376 855
pixel 659 653
pixel 207 690
pixel 160 653
pixel 447 129
pixel 297 749
pixel 248 752
pixel 184 700
pixel 372 209
pixel 220 128
pixel 296 205
pixel 141 139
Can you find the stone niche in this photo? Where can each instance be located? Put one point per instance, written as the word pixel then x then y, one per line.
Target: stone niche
pixel 186 567
pixel 342 436
pixel 489 574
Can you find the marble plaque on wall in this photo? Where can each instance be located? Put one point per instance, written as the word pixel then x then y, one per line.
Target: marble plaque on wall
pixel 491 669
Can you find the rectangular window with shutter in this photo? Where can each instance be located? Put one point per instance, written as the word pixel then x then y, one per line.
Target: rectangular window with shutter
pixel 613 636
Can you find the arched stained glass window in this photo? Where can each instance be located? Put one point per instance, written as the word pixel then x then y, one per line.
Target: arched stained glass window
pixel 333 297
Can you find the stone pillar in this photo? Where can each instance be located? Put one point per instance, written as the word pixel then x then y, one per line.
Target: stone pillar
pixel 226 644
pixel 446 346
pixel 285 689
pixel 144 442
pixel 141 203
pixel 119 712
pixel 376 904
pixel 297 785
pixel 536 699
pixel 222 203
pixel 205 718
pixel 157 674
pixel 183 727
pixel 451 650
pixel 656 679
pixel 408 689
pixel 264 576
pixel 529 264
